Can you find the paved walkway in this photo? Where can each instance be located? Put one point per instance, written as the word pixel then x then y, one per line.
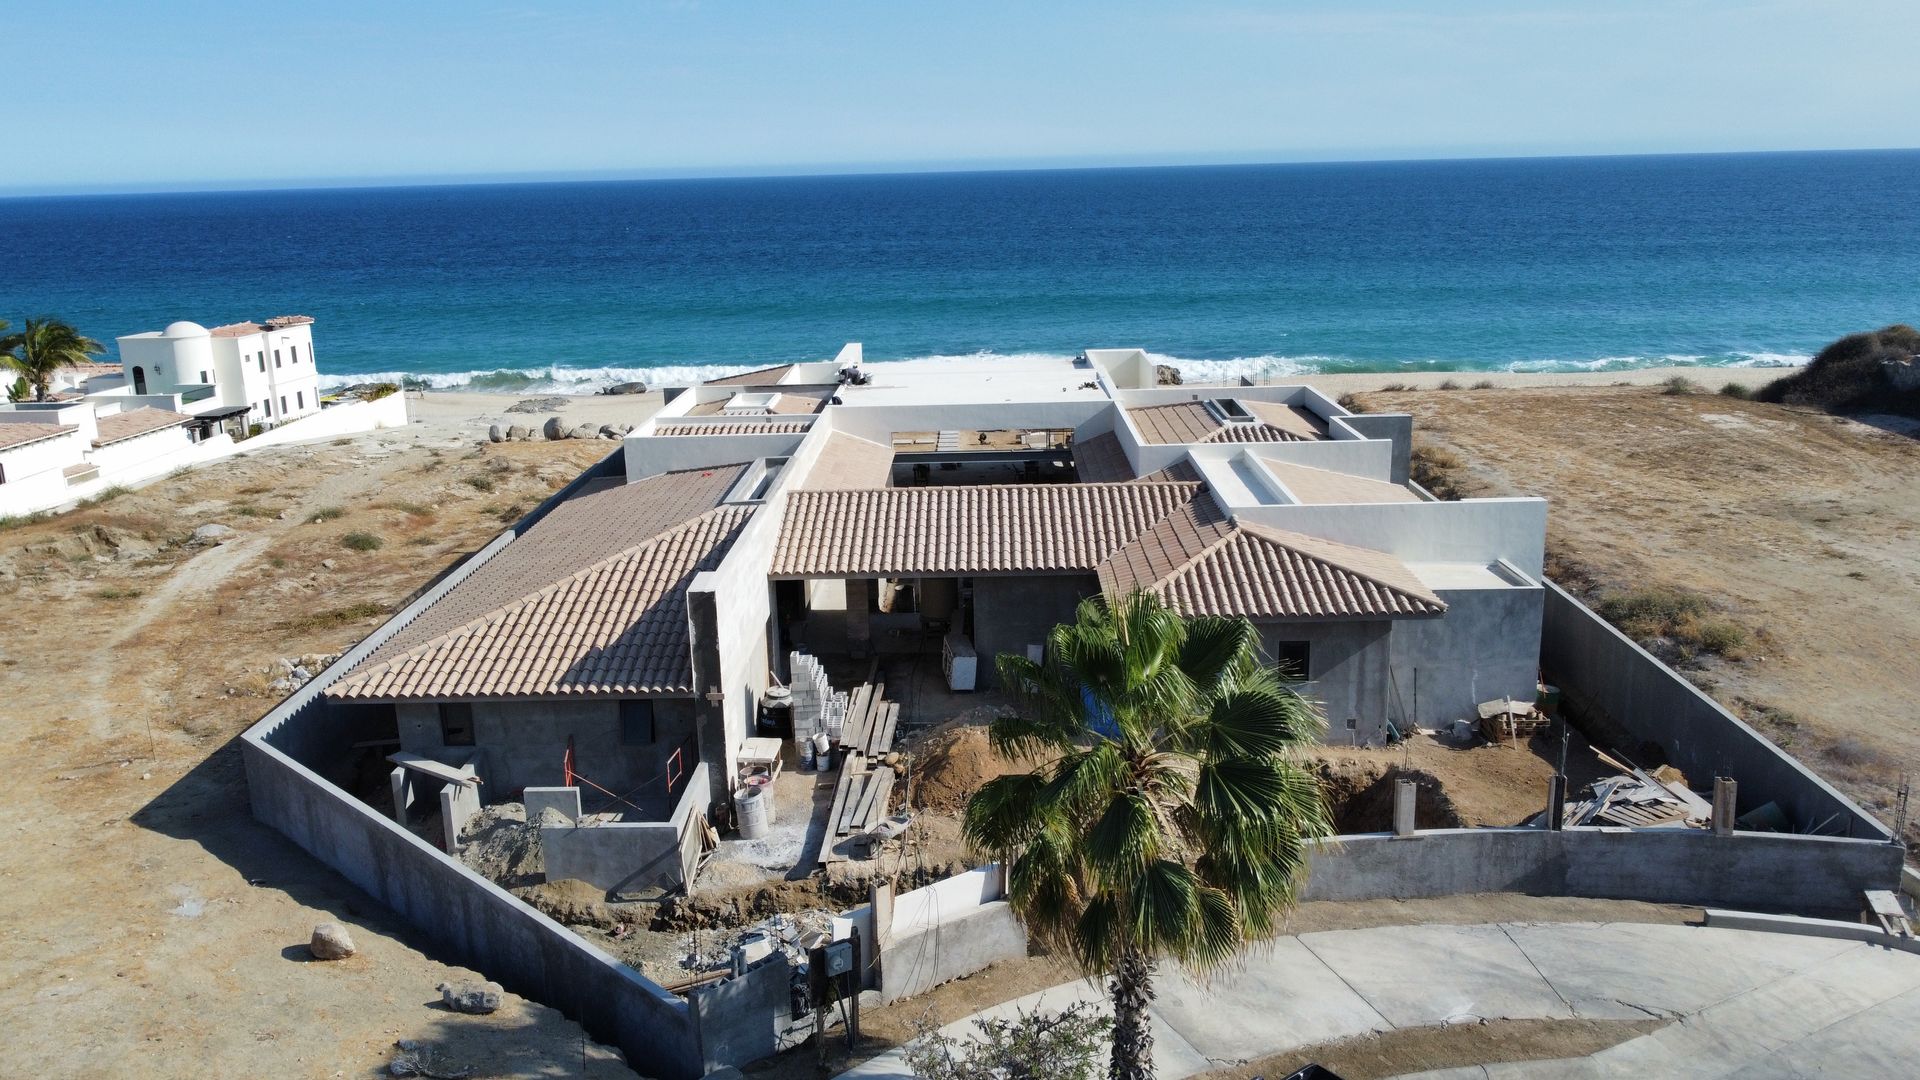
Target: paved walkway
pixel 1745 1003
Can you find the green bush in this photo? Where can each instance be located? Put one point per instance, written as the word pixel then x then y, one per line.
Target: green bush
pixel 378 390
pixel 1449 384
pixel 480 482
pixel 115 592
pixel 1486 384
pixel 326 513
pixel 1736 390
pixel 1849 375
pixel 361 541
pixel 1680 384
pixel 1068 1045
pixel 106 495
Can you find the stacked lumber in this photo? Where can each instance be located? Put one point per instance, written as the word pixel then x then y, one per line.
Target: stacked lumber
pixel 1506 720
pixel 861 801
pixel 871 721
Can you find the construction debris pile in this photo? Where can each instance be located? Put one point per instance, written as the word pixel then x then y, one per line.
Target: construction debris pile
pixel 1639 800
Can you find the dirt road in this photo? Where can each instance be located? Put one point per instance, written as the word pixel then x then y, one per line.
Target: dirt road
pixel 1802 526
pixel 148 926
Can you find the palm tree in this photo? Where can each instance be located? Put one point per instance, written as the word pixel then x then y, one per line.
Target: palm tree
pixel 44 346
pixel 1171 817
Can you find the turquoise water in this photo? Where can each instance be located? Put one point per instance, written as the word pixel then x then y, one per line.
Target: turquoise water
pixel 1532 264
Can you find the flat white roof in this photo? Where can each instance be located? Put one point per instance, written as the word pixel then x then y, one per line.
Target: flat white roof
pixel 1441 576
pixel 1028 379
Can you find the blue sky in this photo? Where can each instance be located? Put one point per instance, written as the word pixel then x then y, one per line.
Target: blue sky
pixel 208 93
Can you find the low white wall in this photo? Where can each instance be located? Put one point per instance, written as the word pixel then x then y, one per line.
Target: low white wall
pixel 1482 531
pixel 650 455
pixel 349 419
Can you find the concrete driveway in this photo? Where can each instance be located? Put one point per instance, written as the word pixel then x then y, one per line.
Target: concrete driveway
pixel 1743 1003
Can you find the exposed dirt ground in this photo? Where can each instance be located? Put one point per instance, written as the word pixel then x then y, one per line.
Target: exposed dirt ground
pixel 148 926
pixel 1396 1053
pixel 1801 525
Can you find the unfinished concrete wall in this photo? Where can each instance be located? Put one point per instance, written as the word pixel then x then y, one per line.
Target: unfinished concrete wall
pixel 1600 669
pixel 467 918
pixel 1010 613
pixel 960 945
pixel 747 1017
pixel 1486 646
pixel 1347 673
pixel 524 743
pixel 1763 871
pixel 629 858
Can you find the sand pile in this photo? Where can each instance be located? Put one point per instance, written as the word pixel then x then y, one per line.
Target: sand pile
pixel 502 847
pixel 951 763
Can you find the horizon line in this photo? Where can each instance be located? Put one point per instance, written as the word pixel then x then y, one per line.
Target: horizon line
pixel 933 167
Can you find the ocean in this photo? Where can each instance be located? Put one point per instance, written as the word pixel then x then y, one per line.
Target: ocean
pixel 1522 264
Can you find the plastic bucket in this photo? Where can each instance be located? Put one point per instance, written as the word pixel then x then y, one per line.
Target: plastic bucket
pixel 753 810
pixel 822 752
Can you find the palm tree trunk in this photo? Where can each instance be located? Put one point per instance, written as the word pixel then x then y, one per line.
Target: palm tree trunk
pixel 1132 989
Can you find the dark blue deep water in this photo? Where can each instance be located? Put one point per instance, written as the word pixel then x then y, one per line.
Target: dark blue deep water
pixel 1471 265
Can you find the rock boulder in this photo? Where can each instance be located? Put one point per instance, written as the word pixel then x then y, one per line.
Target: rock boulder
pixel 468 996
pixel 496 434
pixel 626 388
pixel 554 428
pixel 331 942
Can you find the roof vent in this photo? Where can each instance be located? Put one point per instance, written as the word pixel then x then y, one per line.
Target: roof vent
pixel 1229 410
pixel 750 404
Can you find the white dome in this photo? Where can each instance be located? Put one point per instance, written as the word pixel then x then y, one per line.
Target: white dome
pixel 184 329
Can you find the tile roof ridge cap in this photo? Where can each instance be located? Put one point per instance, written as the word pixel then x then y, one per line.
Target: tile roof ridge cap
pixel 500 614
pixel 1316 547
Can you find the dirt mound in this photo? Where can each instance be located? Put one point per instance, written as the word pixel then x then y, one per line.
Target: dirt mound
pixel 1360 794
pixel 746 904
pixel 571 902
pixel 502 847
pixel 951 763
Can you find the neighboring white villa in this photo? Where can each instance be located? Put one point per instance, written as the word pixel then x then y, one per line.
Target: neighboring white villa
pixel 182 396
pixel 267 367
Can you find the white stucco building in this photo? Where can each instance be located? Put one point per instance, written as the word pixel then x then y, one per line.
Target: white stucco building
pixel 267 367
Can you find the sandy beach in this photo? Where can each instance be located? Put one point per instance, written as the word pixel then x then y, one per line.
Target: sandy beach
pixel 455 412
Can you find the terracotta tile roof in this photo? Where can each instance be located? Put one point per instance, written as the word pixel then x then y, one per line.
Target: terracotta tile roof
pixel 12 435
pixel 848 463
pixel 281 322
pixel 1318 486
pixel 748 426
pixel 1014 528
pixel 761 377
pixel 1264 573
pixel 616 627
pixel 1170 544
pixel 1100 460
pixel 596 523
pixel 136 422
pixel 1191 422
pixel 239 329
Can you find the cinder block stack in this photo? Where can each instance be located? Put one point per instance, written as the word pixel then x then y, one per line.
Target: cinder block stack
pixel 812 697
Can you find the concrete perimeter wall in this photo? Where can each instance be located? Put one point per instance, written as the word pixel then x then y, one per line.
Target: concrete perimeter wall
pixel 1772 871
pixel 1600 670
pixel 946 930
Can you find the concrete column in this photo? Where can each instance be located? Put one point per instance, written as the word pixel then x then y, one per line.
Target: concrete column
pixel 1725 794
pixel 1405 792
pixel 1556 802
pixel 709 695
pixel 880 902
pixel 859 628
pixel 402 795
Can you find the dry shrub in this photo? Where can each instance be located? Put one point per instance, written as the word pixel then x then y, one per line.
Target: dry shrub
pixel 1688 621
pixel 1680 385
pixel 1850 375
pixel 1435 468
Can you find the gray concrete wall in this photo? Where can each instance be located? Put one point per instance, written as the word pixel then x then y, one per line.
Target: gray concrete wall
pixel 1011 613
pixel 1396 428
pixel 1599 669
pixel 1347 673
pixel 747 1017
pixel 1767 871
pixel 628 858
pixel 523 743
pixel 915 963
pixel 468 919
pixel 1486 646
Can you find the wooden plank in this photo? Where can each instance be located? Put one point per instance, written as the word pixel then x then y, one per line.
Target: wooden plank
pixel 877 806
pixel 883 739
pixel 873 800
pixel 850 730
pixel 439 770
pixel 841 788
pixel 854 775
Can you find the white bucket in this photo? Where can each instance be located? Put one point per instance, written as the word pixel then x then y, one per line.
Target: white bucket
pixel 751 807
pixel 822 751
